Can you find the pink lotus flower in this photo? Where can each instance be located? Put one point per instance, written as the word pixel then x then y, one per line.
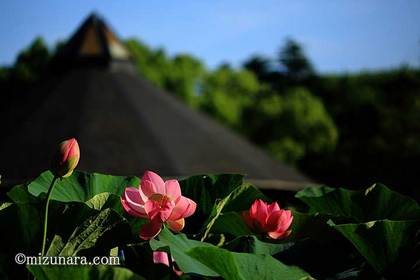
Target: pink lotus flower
pixel 66 158
pixel 162 257
pixel 268 218
pixel 160 202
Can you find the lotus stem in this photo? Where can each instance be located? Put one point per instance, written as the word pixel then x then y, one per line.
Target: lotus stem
pixel 44 239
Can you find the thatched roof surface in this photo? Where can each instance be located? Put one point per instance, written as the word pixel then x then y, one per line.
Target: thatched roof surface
pixel 125 125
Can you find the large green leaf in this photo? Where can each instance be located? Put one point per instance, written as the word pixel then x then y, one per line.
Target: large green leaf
pixel 139 258
pixel 21 232
pixel 231 223
pixel 243 266
pixel 105 200
pixel 73 228
pixel 239 199
pixel 5 204
pixel 380 242
pixel 20 227
pixel 375 203
pixel 205 190
pixel 251 244
pixel 81 186
pixel 20 194
pixel 82 273
pixel 179 244
pixel 314 225
pixel 208 260
pixel 92 232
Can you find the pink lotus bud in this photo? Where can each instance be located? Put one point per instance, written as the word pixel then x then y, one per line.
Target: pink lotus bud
pixel 268 218
pixel 160 202
pixel 66 158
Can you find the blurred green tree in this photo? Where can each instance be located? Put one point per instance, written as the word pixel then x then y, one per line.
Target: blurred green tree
pixel 32 62
pixel 297 114
pixel 294 62
pixel 260 66
pixel 185 78
pixel 226 92
pixel 377 113
pixel 181 75
pixel 151 64
pixel 294 124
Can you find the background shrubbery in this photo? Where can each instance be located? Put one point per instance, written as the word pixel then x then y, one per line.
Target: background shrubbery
pixel 350 129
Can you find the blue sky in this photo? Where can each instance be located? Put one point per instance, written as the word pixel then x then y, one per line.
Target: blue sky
pixel 337 35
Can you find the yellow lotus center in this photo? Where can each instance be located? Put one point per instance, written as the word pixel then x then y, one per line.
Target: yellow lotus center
pixel 161 199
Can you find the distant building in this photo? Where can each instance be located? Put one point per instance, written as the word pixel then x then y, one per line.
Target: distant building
pixel 124 124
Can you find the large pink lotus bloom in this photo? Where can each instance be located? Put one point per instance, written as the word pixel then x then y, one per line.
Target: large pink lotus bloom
pixel 268 218
pixel 162 258
pixel 160 202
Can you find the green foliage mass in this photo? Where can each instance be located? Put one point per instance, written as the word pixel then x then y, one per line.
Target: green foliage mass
pixel 294 61
pixel 326 125
pixel 227 92
pixel 288 123
pixel 181 74
pixel 377 116
pixel 295 124
pixel 337 234
pixel 31 63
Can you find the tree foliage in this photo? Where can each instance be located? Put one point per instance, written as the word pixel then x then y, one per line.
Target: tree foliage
pixel 227 92
pixel 180 75
pixel 289 122
pixel 353 128
pixel 295 124
pixel 294 61
pixel 376 114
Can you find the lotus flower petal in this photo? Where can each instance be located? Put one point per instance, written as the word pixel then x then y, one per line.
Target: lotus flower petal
pixel 148 188
pixel 281 222
pixel 132 202
pixel 150 230
pixel 259 211
pixel 177 225
pixel 184 207
pixel 161 257
pixel 143 196
pixel 268 218
pixel 159 184
pixel 248 220
pixel 273 207
pixel 160 202
pixel 155 210
pixel 278 235
pixel 172 189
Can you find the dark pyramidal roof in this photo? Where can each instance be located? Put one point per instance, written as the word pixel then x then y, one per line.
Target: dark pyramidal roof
pixel 94 41
pixel 125 125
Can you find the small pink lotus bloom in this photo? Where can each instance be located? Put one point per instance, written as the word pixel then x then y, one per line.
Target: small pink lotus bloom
pixel 66 158
pixel 160 202
pixel 162 257
pixel 268 218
